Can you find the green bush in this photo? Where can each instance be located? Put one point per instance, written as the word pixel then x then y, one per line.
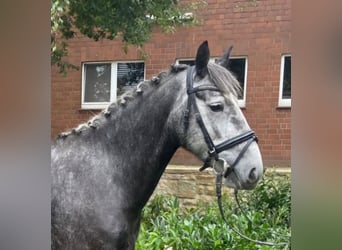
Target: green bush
pixel 166 226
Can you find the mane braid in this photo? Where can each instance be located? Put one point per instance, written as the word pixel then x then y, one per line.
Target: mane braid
pixel 97 120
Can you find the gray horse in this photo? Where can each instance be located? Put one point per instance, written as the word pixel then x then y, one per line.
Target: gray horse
pixel 104 171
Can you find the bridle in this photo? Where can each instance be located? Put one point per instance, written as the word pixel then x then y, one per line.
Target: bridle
pixel 213 159
pixel 213 150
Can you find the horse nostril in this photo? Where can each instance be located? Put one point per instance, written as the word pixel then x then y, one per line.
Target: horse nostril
pixel 252 177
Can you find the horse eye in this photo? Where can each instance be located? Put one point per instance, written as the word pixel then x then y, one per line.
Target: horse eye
pixel 216 107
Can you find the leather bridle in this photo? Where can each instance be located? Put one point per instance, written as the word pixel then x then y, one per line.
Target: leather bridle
pixel 213 150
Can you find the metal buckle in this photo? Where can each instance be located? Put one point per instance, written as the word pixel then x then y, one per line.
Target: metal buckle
pixel 213 153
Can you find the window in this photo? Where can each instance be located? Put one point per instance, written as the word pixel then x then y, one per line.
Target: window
pixel 103 82
pixel 238 66
pixel 285 82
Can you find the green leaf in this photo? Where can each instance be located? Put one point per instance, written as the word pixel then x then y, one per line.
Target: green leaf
pixel 110 19
pixel 201 228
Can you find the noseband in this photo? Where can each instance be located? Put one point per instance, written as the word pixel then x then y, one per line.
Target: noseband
pixel 214 150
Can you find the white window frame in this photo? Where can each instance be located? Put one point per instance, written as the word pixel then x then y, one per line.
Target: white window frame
pixel 113 83
pixel 241 102
pixel 282 102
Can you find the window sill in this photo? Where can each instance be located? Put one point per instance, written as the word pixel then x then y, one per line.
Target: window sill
pixel 283 107
pixel 99 106
pixel 284 103
pixel 242 103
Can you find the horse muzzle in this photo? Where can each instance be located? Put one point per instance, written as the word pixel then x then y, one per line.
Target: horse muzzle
pixel 235 180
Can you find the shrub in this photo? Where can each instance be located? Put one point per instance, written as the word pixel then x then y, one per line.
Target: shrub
pixel 166 226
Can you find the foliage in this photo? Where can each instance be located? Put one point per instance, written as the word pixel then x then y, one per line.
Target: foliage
pixel 166 226
pixel 132 20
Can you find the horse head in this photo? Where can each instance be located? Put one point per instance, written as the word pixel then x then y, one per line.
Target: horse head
pixel 215 129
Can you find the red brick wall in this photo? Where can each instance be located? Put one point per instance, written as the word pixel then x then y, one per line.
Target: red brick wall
pixel 261 32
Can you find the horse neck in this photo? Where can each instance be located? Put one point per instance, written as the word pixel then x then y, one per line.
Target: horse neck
pixel 143 140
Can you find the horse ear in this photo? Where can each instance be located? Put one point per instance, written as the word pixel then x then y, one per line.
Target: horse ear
pixel 202 59
pixel 224 59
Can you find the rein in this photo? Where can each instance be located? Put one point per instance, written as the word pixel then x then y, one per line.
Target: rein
pixel 213 159
pixel 219 176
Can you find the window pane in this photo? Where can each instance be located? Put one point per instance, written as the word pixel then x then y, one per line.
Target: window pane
pixel 97 82
pixel 238 66
pixel 287 78
pixel 129 74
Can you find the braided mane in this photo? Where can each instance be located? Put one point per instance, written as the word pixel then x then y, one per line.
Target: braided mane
pixel 122 101
pixel 219 75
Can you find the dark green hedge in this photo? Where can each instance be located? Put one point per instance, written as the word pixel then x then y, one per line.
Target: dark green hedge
pixel 166 226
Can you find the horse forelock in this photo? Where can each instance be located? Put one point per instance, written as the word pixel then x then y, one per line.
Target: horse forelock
pixel 220 76
pixel 224 80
